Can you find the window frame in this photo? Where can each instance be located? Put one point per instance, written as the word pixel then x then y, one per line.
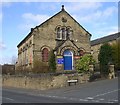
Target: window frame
pixel 45 55
pixel 64 33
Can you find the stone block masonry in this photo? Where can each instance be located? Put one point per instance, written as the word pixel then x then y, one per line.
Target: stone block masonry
pixel 39 82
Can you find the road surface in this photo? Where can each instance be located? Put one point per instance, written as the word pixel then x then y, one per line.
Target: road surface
pixel 103 91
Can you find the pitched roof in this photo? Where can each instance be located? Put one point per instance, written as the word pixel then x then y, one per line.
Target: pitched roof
pixel 105 39
pixel 62 10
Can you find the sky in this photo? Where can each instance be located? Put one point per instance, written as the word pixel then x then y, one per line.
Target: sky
pixel 17 19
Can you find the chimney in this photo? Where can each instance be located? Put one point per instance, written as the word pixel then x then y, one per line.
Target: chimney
pixel 63 8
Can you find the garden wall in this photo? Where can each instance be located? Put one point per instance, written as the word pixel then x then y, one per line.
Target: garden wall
pixel 41 82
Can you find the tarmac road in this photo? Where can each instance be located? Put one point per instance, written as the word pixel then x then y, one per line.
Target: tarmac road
pixel 103 91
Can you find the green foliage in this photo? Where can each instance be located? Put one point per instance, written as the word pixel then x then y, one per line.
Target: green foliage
pixel 105 57
pixel 52 62
pixel 116 54
pixel 82 65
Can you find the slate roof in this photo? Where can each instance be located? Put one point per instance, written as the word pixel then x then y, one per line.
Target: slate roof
pixel 62 10
pixel 105 39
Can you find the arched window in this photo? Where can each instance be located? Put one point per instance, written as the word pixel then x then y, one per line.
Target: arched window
pixel 68 32
pixel 45 54
pixel 63 33
pixel 58 33
pixel 81 52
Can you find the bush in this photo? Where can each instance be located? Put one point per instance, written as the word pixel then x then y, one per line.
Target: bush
pixel 82 65
pixel 105 57
pixel 40 67
pixel 116 54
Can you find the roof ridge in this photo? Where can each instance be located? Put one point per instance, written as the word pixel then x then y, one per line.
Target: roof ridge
pixel 105 38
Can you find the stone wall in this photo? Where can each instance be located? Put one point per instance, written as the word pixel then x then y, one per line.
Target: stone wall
pixel 25 55
pixel 40 82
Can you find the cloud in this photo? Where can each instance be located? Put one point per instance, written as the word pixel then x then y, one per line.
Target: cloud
pixel 100 32
pixel 0 17
pixel 6 3
pixel 0 14
pixel 83 6
pixel 2 46
pixel 99 15
pixel 32 20
pixel 5 59
pixel 110 11
pixel 111 30
pixel 38 18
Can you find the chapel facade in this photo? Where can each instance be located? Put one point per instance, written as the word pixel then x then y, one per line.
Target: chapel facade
pixel 60 33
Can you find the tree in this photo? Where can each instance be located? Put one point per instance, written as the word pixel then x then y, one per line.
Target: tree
pixel 82 64
pixel 52 61
pixel 116 54
pixel 105 57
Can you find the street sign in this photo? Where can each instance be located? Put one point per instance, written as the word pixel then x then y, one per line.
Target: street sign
pixel 60 60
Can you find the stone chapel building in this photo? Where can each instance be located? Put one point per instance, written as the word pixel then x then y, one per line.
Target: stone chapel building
pixel 60 33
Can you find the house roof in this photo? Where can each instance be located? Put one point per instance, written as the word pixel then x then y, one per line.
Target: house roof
pixel 105 39
pixel 62 10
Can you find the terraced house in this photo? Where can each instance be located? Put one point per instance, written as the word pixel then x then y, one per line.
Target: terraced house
pixel 60 33
pixel 96 44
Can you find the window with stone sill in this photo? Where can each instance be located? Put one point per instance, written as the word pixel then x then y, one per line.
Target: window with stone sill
pixel 27 46
pixel 59 33
pixel 21 49
pixel 63 33
pixel 69 32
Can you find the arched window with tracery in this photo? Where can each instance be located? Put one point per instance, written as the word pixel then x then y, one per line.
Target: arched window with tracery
pixel 45 54
pixel 69 32
pixel 63 33
pixel 58 33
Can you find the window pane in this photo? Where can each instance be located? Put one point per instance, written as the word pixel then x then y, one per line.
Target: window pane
pixel 45 55
pixel 63 33
pixel 58 33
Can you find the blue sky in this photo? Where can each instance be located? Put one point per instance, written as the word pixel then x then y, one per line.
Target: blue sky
pixel 17 18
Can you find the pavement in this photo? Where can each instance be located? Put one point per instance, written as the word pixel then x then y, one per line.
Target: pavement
pixel 103 91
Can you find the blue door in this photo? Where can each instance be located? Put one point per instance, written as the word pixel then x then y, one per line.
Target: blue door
pixel 67 60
